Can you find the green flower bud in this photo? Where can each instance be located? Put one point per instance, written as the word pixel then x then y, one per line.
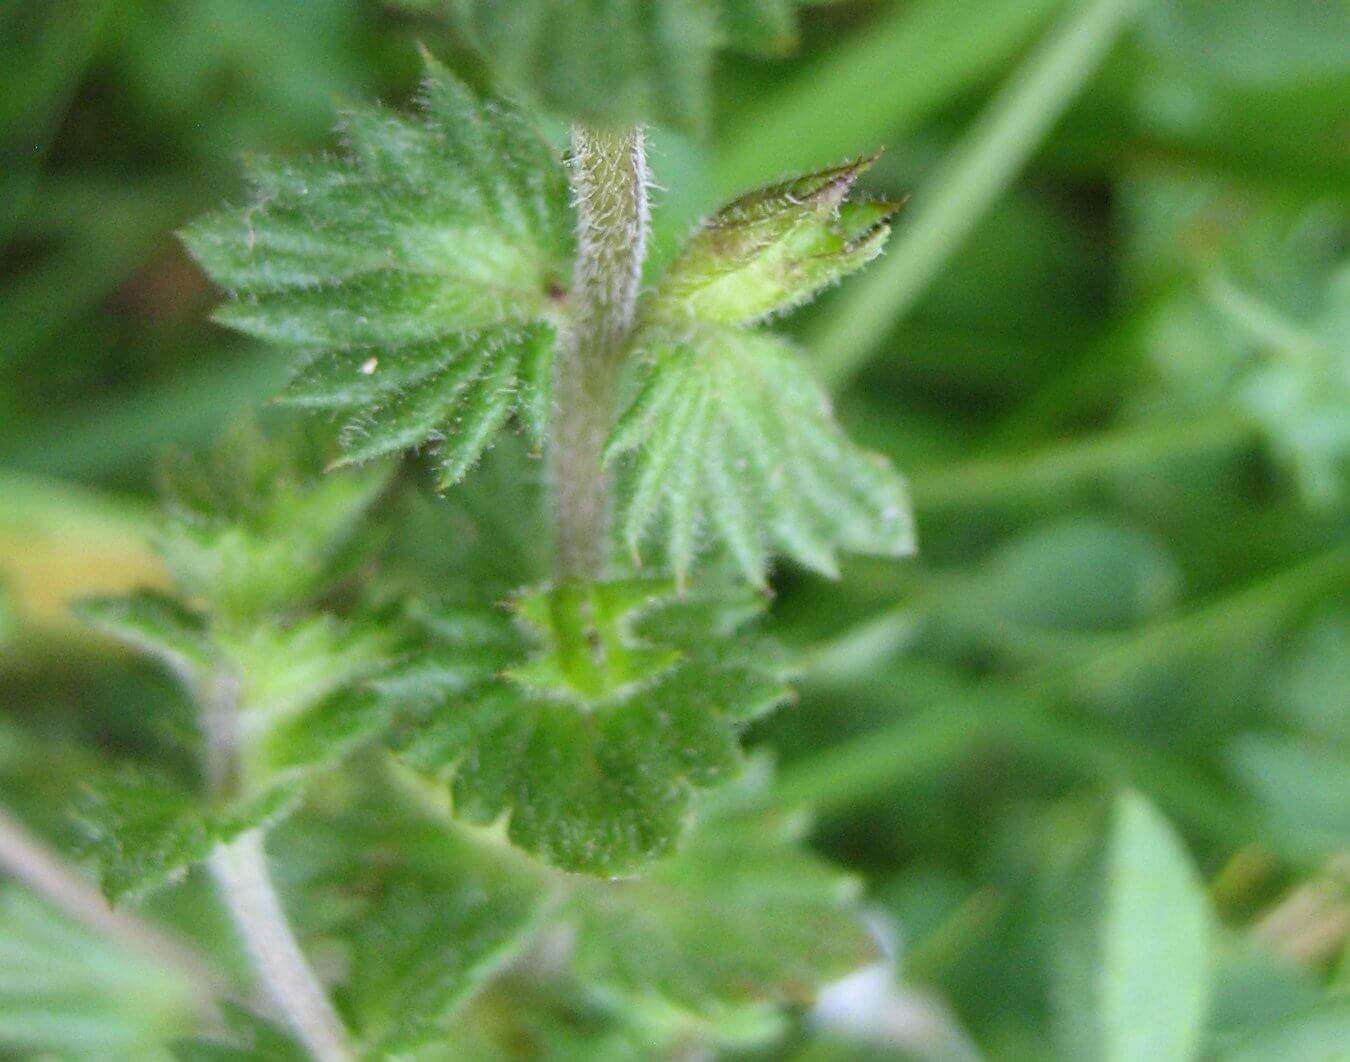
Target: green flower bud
pixel 774 248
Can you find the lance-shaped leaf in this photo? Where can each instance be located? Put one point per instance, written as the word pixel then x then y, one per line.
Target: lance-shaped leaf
pixel 1132 965
pixel 416 278
pixel 585 717
pixel 773 249
pixel 656 62
pixel 731 440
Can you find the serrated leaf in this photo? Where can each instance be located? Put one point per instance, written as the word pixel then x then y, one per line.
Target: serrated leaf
pixel 416 277
pixel 157 625
pixel 761 466
pixel 434 914
pixel 740 922
pixel 68 993
pixel 143 829
pixel 588 737
pixel 656 63
pixel 1133 967
pixel 773 249
pixel 256 526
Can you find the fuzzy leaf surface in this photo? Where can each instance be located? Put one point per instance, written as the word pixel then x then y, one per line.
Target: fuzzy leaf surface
pixel 69 993
pixel 739 922
pixel 255 526
pixel 728 439
pixel 656 64
pixel 143 828
pixel 415 279
pixel 731 440
pixel 587 719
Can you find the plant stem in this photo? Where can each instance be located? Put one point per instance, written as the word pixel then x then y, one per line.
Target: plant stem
pixel 1041 473
pixel 609 188
pixel 240 868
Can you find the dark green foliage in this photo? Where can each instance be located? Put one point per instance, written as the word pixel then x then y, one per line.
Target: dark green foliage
pixel 740 922
pixel 586 714
pixel 656 62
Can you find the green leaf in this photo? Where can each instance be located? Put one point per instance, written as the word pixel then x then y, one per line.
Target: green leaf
pixel 1317 1036
pixel 256 527
pixel 1302 787
pixel 773 249
pixel 730 440
pixel 736 925
pixel 156 625
pixel 434 914
pixel 69 993
pixel 1132 966
pixel 417 278
pixel 144 829
pixel 584 720
pixel 656 62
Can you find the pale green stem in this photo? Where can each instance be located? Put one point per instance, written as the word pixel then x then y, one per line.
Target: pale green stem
pixel 1039 474
pixel 240 869
pixel 608 173
pixel 980 169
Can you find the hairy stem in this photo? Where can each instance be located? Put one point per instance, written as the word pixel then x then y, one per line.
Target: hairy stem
pixel 609 188
pixel 240 868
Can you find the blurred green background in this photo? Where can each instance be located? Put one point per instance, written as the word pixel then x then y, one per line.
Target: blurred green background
pixel 1110 347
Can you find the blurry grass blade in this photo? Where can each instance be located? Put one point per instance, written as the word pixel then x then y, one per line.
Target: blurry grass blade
pixel 876 86
pixel 995 148
pixel 50 44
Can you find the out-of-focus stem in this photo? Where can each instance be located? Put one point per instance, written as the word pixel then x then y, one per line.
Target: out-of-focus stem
pixel 240 868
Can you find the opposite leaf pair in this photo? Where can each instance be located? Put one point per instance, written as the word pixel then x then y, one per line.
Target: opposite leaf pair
pixel 424 279
pixel 280 686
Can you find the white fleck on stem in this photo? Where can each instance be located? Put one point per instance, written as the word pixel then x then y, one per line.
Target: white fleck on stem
pixel 240 868
pixel 608 174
